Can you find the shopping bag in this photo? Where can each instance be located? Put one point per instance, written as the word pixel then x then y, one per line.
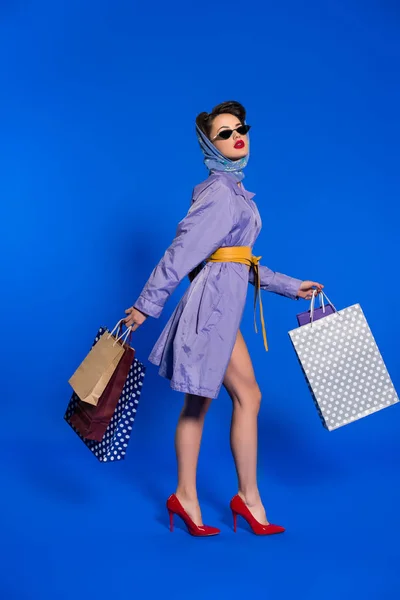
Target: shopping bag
pixel 315 313
pixel 343 367
pixel 115 440
pixel 92 421
pixel 93 374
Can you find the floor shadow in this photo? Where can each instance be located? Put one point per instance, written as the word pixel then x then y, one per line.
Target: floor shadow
pixel 46 468
pixel 288 454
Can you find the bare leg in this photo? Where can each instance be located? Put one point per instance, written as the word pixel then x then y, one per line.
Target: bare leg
pixel 187 445
pixel 245 394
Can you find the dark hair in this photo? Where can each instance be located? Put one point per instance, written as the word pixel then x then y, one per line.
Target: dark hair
pixel 205 120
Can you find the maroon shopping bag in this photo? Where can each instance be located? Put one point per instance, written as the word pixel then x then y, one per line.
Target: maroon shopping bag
pixel 92 421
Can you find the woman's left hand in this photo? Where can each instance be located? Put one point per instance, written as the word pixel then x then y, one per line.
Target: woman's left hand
pixel 307 288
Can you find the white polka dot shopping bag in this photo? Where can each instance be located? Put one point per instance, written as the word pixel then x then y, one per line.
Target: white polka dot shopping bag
pixel 342 364
pixel 113 446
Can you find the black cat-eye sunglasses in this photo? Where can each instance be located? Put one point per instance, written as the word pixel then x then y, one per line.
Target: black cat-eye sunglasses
pixel 225 134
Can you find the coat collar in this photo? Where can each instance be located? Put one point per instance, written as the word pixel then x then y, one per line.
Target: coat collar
pixel 239 190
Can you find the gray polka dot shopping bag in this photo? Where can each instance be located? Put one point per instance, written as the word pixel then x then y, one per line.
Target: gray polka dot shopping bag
pixel 106 427
pixel 342 364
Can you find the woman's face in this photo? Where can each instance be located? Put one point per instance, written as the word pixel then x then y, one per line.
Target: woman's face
pixel 235 147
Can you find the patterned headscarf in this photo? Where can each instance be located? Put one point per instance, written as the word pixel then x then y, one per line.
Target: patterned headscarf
pixel 216 161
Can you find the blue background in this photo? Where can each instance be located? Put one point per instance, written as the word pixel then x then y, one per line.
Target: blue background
pixel 98 159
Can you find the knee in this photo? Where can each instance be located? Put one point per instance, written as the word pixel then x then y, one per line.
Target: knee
pixel 256 398
pixel 249 398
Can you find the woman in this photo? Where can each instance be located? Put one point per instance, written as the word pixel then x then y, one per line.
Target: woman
pixel 201 347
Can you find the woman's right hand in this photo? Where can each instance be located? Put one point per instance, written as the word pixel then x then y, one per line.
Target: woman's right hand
pixel 135 318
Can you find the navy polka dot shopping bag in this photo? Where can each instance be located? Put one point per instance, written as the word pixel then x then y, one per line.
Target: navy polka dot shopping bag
pixel 114 443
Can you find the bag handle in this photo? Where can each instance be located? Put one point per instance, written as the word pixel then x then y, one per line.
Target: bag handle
pixel 127 336
pixel 321 299
pixel 312 304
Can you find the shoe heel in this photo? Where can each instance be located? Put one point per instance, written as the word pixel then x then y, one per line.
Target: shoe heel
pixel 234 521
pixel 171 520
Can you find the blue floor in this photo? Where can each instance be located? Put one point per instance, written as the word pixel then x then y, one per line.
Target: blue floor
pixel 76 528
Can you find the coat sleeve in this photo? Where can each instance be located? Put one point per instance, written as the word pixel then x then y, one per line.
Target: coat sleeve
pixel 277 283
pixel 199 234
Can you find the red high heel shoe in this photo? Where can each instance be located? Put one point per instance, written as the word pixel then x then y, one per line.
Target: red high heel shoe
pixel 175 508
pixel 238 507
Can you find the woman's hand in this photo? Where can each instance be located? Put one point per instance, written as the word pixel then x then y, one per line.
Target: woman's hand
pixel 307 288
pixel 135 318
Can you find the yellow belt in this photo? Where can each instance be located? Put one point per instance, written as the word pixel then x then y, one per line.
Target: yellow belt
pixel 242 254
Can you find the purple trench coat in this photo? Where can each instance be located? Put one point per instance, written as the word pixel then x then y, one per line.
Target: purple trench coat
pixel 195 346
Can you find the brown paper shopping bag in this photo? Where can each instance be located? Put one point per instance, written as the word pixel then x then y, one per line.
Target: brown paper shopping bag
pixel 93 374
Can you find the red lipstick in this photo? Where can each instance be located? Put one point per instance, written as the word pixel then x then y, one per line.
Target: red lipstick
pixel 239 144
